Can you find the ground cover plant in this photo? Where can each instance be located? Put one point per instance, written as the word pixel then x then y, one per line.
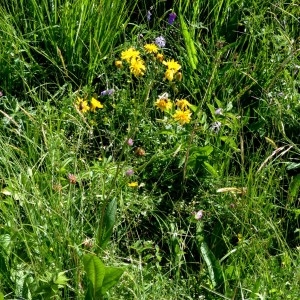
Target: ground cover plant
pixel 149 149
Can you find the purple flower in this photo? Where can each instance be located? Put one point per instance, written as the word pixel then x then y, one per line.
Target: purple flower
pixel 129 172
pixel 219 111
pixel 130 142
pixel 199 215
pixel 149 15
pixel 107 92
pixel 172 17
pixel 160 41
pixel 1 94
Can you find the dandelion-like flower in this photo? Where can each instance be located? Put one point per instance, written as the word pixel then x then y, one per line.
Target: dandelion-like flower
pixel 183 104
pixel 133 184
pixel 172 17
pixel 137 67
pixel 160 57
pixel 163 104
pixel 129 54
pixel 172 65
pixel 82 105
pixel 151 48
pixel 94 104
pixel 182 116
pixel 169 74
pixel 160 41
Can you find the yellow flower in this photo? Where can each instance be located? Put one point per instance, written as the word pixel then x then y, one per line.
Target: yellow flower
pixel 82 105
pixel 182 117
pixel 95 104
pixel 133 184
pixel 169 74
pixel 151 48
pixel 163 104
pixel 183 104
pixel 118 64
pixel 172 65
pixel 137 67
pixel 160 57
pixel 129 54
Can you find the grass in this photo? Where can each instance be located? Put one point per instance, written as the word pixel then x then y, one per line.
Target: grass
pixel 123 200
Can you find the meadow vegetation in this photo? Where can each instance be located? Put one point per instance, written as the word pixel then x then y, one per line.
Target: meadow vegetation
pixel 150 149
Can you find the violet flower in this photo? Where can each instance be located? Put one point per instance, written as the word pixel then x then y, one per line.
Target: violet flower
pixel 149 14
pixel 160 41
pixel 219 111
pixel 107 92
pixel 172 17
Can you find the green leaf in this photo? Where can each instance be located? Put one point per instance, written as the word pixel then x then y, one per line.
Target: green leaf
pixel 189 44
pixel 111 278
pixel 202 152
pixel 294 188
pixel 95 272
pixel 211 169
pixel 213 265
pixel 1 296
pixel 108 223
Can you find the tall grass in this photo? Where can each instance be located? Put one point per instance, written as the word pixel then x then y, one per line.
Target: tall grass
pixel 203 210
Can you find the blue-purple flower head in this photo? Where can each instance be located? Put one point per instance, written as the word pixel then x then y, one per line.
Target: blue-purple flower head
pixel 172 17
pixel 160 41
pixel 149 14
pixel 108 92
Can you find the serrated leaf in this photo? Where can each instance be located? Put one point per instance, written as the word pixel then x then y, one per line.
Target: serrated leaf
pixel 111 278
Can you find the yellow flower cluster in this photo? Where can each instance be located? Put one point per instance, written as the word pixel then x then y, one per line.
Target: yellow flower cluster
pixel 83 106
pixel 172 69
pixel 137 65
pixel 182 115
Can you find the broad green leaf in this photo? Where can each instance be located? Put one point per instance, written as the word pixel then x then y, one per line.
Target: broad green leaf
pixel 95 272
pixel 211 169
pixel 111 278
pixel 213 266
pixel 1 296
pixel 203 152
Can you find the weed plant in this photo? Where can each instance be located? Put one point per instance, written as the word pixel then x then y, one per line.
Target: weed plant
pixel 149 150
